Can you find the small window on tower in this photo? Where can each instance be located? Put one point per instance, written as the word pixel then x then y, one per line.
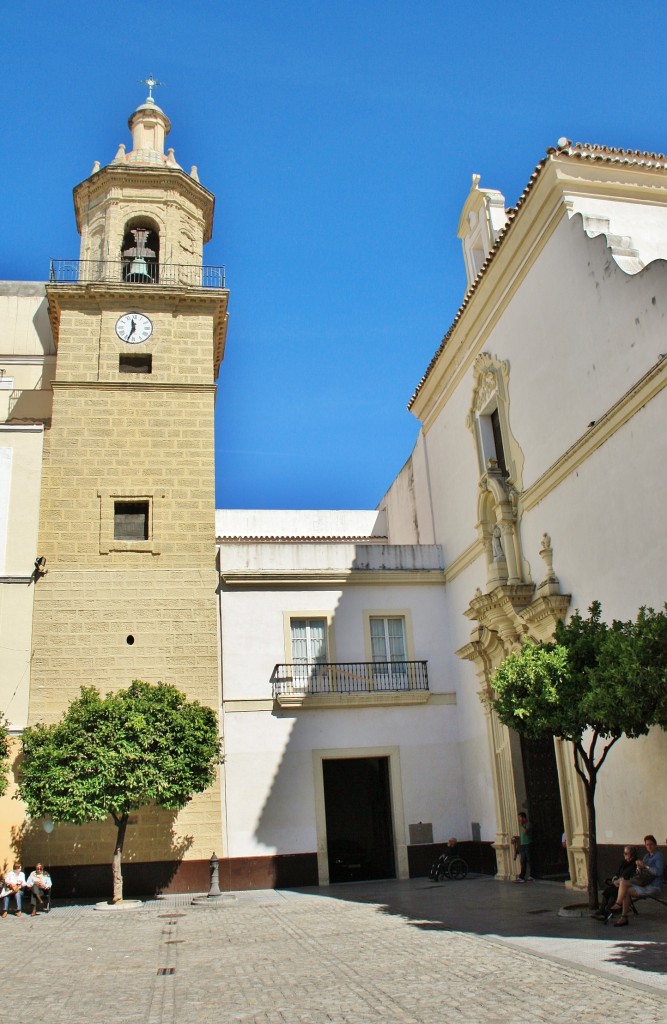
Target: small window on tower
pixel 130 520
pixel 135 364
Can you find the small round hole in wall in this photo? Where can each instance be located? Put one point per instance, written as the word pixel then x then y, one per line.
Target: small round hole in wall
pixel 130 640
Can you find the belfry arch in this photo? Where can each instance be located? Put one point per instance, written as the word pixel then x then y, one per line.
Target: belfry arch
pixel 140 251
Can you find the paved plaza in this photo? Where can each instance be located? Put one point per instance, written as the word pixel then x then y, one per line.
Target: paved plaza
pixel 413 952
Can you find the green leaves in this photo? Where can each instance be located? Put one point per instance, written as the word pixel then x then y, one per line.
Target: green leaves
pixel 115 754
pixel 4 754
pixel 609 679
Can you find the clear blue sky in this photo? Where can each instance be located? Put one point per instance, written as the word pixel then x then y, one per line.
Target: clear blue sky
pixel 339 140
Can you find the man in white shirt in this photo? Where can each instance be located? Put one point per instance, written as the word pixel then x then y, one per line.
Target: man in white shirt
pixel 14 882
pixel 39 883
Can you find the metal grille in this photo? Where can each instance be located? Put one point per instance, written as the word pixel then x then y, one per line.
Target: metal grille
pixel 121 272
pixel 349 677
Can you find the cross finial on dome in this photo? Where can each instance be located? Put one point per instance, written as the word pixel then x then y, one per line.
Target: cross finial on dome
pixel 151 82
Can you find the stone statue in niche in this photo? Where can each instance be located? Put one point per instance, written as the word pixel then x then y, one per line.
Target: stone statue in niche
pixel 497 544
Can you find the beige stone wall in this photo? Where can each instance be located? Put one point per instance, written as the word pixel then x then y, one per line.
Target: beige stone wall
pixel 127 436
pixel 83 621
pixel 153 834
pixel 11 815
pixel 181 343
pixel 129 442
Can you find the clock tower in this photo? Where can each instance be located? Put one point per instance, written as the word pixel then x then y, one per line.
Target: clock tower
pixel 127 518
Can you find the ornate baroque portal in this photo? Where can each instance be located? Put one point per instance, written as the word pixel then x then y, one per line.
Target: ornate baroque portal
pixel 512 608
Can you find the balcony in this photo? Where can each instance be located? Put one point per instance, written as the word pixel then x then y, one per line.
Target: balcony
pixel 350 684
pixel 135 272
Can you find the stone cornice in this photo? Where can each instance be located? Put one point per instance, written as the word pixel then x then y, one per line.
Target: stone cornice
pixel 385 698
pixel 161 180
pixel 267 704
pixel 267 578
pixel 112 385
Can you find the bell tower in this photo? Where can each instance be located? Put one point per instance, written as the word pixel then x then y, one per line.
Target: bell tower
pixel 127 519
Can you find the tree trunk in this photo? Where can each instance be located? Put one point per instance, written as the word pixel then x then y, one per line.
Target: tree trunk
pixel 592 845
pixel 116 867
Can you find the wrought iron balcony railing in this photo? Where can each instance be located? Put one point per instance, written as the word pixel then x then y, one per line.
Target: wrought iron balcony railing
pixel 140 272
pixel 348 677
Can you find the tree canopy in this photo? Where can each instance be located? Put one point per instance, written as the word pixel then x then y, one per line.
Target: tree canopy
pixel 146 745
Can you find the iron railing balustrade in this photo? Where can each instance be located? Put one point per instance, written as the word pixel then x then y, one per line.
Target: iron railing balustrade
pixel 348 677
pixel 120 272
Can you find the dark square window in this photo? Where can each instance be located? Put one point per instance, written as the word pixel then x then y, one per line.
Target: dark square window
pixel 130 520
pixel 136 364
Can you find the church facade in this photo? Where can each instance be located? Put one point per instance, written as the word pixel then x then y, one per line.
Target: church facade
pixel 346 653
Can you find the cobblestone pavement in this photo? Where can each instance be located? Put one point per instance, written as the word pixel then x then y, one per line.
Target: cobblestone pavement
pixel 410 952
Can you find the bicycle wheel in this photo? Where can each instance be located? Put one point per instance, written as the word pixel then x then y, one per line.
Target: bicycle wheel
pixel 458 869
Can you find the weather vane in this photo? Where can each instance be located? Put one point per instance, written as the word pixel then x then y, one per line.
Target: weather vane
pixel 151 82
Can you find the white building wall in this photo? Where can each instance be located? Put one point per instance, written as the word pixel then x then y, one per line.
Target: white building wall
pixel 578 334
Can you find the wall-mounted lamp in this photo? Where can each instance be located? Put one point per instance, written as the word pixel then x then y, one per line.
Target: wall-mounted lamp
pixel 40 567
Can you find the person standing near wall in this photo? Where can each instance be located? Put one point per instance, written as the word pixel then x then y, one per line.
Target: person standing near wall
pixel 525 842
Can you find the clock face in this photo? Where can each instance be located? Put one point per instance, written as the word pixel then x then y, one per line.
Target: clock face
pixel 133 328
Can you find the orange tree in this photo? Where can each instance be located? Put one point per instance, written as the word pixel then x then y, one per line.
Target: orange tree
pixel 591 684
pixel 146 745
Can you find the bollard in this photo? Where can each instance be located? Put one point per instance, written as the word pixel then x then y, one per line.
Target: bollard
pixel 215 887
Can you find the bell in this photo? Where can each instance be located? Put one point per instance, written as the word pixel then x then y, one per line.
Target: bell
pixel 138 270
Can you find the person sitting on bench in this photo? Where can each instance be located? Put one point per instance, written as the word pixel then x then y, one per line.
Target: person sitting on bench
pixel 652 866
pixel 14 882
pixel 626 869
pixel 39 883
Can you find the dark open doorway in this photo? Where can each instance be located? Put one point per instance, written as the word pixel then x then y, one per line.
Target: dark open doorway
pixel 357 802
pixel 545 811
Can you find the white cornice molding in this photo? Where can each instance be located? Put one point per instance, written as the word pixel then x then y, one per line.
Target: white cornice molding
pixel 255 705
pixel 27 360
pixel 639 395
pixel 268 578
pixel 23 428
pixel 465 559
pixel 384 698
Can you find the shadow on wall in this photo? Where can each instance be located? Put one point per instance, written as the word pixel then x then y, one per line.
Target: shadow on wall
pixel 360 838
pixel 151 834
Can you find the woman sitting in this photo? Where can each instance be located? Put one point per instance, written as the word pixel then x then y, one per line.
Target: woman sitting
pixel 652 866
pixel 626 869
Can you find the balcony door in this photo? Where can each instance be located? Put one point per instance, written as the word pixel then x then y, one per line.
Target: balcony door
pixel 388 649
pixel 309 650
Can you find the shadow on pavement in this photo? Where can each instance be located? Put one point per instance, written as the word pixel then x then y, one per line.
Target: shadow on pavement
pixel 641 956
pixel 482 906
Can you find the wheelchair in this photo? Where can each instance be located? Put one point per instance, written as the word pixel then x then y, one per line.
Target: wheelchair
pixel 448 867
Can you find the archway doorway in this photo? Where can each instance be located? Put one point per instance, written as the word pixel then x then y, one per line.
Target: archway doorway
pixel 359 828
pixel 545 811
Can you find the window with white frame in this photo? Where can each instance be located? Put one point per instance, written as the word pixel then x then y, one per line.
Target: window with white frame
pixel 388 650
pixel 309 647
